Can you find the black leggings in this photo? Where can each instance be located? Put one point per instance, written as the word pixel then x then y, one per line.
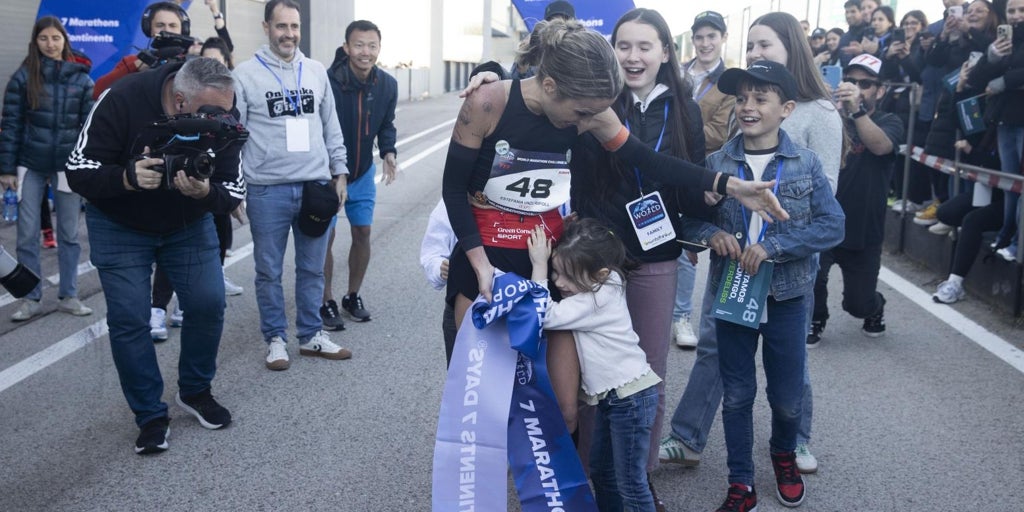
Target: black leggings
pixel 974 221
pixel 162 289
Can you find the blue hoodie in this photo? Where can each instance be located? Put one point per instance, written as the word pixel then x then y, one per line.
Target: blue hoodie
pixel 365 110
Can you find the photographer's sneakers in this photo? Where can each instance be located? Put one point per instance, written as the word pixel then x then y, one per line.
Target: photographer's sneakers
pixel 353 305
pixel 153 436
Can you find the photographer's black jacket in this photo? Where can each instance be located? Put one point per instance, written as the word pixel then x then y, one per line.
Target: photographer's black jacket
pixel 109 143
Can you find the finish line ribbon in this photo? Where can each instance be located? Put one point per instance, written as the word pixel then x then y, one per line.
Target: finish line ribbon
pixel 498 409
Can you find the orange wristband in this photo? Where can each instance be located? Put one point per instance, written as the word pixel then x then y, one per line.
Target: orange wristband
pixel 617 141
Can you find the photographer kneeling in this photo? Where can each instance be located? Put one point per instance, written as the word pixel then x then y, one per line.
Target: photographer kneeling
pixel 139 214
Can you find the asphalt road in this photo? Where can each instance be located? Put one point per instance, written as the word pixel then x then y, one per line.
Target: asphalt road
pixel 923 418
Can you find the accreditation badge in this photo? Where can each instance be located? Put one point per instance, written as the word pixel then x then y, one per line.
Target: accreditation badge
pixel 297 133
pixel 650 221
pixel 741 297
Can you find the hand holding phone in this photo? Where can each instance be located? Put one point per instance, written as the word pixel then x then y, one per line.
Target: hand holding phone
pixel 899 36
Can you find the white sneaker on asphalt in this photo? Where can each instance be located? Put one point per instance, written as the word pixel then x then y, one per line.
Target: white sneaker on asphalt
pixel 321 345
pixel 805 462
pixel 232 289
pixel 949 292
pixel 73 306
pixel 912 207
pixel 682 333
pixel 277 355
pixel 673 450
pixel 177 317
pixel 26 310
pixel 157 324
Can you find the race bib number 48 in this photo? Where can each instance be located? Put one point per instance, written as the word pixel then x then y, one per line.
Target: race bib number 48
pixel 527 182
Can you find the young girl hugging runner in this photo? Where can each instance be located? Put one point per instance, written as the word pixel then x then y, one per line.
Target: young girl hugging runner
pixel 775 259
pixel 588 270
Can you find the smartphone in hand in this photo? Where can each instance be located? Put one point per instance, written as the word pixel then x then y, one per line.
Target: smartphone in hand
pixel 899 36
pixel 956 11
pixel 832 76
pixel 1004 32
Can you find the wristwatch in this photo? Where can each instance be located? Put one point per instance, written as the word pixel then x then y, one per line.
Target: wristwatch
pixel 861 112
pixel 218 16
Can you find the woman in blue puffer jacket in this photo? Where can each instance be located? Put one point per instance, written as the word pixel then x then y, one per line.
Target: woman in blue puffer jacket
pixel 46 103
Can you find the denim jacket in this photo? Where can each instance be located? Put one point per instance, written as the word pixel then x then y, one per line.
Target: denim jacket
pixel 816 221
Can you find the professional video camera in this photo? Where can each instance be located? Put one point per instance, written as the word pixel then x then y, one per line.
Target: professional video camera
pixel 166 47
pixel 15 277
pixel 190 142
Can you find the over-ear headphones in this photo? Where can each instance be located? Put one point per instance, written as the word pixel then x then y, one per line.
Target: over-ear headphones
pixel 147 17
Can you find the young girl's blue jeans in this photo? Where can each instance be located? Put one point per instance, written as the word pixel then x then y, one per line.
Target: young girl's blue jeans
pixel 784 357
pixel 618 457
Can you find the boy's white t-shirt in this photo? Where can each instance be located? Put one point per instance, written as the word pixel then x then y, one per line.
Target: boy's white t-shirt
pixel 757 164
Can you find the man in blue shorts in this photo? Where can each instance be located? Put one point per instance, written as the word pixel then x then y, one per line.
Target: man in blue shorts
pixel 365 98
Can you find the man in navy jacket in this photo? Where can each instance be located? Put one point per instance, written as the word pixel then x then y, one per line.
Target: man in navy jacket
pixel 365 98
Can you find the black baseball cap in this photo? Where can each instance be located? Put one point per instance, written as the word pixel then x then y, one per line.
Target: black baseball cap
pixel 709 18
pixel 818 32
pixel 762 71
pixel 559 8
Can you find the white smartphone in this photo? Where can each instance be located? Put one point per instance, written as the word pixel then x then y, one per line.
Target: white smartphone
pixel 956 11
pixel 973 59
pixel 1004 32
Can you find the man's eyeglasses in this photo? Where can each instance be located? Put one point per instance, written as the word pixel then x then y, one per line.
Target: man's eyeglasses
pixel 864 83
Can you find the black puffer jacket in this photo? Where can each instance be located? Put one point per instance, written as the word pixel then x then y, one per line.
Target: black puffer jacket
pixel 1006 108
pixel 949 57
pixel 42 138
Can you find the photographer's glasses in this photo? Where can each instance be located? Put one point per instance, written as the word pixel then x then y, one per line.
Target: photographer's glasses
pixel 863 83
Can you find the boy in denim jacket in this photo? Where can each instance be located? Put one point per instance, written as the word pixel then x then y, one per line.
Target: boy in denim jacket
pixel 765 95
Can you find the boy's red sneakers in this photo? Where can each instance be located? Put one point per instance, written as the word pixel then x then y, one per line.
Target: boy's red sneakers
pixel 49 242
pixel 739 499
pixel 789 486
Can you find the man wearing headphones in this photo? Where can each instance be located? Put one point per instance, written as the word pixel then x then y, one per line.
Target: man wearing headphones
pixel 158 17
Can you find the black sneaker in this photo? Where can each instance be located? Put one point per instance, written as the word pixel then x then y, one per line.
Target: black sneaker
pixel 874 325
pixel 153 436
pixel 331 317
pixel 739 499
pixel 789 485
pixel 210 414
pixel 353 305
pixel 814 337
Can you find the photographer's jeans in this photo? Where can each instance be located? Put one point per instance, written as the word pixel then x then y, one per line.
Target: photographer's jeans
pixel 784 354
pixel 67 205
pixel 274 211
pixel 189 256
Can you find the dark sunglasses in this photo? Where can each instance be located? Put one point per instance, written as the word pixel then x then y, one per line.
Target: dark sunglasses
pixel 863 83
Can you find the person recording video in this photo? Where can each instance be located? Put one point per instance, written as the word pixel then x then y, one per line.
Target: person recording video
pixel 145 209
pixel 158 19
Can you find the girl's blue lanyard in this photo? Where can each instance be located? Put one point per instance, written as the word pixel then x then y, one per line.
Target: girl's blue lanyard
pixel 639 183
pixel 295 100
pixel 743 209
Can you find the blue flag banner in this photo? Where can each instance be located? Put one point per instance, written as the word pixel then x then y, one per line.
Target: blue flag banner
pixel 599 15
pixel 500 355
pixel 105 31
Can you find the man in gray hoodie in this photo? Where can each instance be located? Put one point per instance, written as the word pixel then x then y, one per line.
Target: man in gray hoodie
pixel 286 103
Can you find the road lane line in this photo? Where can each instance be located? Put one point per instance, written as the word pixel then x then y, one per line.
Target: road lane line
pixel 969 328
pixel 423 133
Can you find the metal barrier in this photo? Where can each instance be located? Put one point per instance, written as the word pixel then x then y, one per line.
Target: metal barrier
pixel 993 178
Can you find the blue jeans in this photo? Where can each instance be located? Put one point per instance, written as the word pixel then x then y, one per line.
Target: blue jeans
pixel 68 207
pixel 784 354
pixel 189 256
pixel 1011 147
pixel 274 211
pixel 618 457
pixel 685 277
pixel 696 409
